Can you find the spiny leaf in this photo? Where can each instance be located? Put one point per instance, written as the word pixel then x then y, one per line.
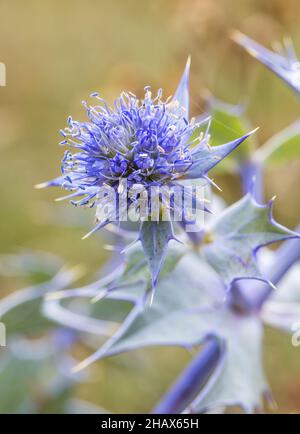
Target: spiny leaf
pixel 179 314
pixel 187 308
pixel 241 381
pixel 237 234
pixel 155 237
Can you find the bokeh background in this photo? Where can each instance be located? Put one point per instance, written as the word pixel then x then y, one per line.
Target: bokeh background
pixel 58 52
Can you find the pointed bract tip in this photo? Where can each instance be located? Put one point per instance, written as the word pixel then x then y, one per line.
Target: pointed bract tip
pixel 87 362
pixel 236 35
pixel 152 297
pixel 86 236
pixel 249 134
pixel 270 204
pixel 254 131
pixel 242 40
pixel 41 185
pixel 154 277
pixel 178 240
pixel 212 182
pixel 272 200
pixel 79 367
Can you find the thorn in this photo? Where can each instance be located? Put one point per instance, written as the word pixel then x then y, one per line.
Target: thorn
pixel 254 131
pixel 80 366
pixel 211 181
pixel 41 185
pixel 177 240
pixel 236 35
pixel 152 297
pixel 86 236
pixel 189 60
pixel 272 285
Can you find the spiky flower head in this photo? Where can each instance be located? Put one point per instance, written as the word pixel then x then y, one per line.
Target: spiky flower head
pixel 144 141
pixel 150 143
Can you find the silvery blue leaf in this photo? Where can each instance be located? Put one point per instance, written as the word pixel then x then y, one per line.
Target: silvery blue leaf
pixel 235 236
pixel 181 312
pixel 241 380
pixel 155 237
pixel 189 307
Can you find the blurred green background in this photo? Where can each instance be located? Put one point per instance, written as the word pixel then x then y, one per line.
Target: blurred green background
pixel 58 52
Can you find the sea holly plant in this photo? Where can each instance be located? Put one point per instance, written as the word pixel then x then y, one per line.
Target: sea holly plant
pixel 139 164
pixel 205 292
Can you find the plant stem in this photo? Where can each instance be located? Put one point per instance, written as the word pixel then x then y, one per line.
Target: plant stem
pixel 192 380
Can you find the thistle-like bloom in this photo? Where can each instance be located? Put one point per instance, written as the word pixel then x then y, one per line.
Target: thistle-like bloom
pixel 150 143
pixel 283 63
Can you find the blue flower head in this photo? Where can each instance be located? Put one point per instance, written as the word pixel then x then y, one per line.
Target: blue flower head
pixel 150 142
pixel 144 141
